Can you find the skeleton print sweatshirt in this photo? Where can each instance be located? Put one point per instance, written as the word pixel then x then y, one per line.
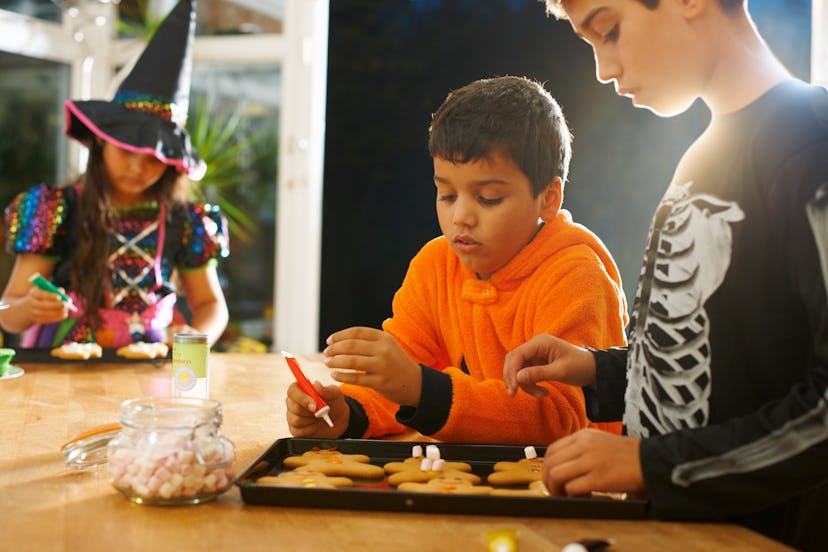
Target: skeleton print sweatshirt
pixel 726 376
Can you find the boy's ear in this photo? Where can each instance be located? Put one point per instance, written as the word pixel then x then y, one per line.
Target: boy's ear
pixel 551 199
pixel 693 8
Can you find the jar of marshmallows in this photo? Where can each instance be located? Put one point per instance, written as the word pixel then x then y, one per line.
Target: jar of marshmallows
pixel 171 451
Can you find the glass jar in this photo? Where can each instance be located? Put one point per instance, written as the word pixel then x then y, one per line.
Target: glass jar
pixel 170 451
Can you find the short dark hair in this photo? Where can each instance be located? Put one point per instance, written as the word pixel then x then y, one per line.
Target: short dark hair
pixel 556 8
pixel 514 116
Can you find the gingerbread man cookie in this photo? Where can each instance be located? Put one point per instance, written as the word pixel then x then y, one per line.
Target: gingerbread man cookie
pixel 535 488
pixel 333 462
pixel 522 472
pixel 419 469
pixel 445 485
pixel 306 478
pixel 141 349
pixel 78 351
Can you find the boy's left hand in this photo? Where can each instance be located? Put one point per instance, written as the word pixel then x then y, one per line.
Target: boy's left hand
pixel 592 460
pixel 377 361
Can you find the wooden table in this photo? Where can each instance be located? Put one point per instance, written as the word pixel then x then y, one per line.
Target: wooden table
pixel 47 506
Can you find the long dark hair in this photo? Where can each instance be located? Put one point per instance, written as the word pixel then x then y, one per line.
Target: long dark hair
pixel 90 276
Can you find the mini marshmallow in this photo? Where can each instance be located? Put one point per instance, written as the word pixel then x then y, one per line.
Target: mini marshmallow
pixel 438 465
pixel 432 452
pixel 416 451
pixel 530 452
pixel 426 464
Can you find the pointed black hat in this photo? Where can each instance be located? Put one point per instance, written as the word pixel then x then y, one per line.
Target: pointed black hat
pixel 149 111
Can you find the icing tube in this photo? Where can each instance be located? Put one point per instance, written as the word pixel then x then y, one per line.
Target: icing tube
pixel 305 385
pixel 502 540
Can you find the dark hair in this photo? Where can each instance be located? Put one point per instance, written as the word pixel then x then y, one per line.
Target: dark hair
pixel 514 116
pixel 556 7
pixel 95 221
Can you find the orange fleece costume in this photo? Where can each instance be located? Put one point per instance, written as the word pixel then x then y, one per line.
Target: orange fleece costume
pixel 459 329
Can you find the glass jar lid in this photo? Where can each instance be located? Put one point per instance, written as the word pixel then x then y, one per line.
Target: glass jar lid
pixel 170 412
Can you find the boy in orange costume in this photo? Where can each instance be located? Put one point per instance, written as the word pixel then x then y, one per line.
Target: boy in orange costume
pixel 510 265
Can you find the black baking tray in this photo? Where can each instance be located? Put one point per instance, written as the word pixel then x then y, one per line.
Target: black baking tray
pixel 381 497
pixel 44 356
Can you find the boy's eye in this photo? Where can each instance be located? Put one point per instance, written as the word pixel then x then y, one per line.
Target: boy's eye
pixel 446 197
pixel 490 201
pixel 612 35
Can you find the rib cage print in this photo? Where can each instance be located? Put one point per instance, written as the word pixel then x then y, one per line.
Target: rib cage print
pixel 688 253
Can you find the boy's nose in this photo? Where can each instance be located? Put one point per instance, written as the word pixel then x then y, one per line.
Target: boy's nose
pixel 463 214
pixel 606 68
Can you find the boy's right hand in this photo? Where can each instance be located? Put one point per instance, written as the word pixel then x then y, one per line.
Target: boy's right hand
pixel 547 358
pixel 301 420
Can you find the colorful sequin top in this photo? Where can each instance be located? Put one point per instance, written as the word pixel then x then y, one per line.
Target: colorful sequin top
pixel 146 246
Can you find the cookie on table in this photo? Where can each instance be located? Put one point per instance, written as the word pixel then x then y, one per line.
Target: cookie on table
pixel 445 485
pixel 306 479
pixel 143 350
pixel 535 488
pixel 419 469
pixel 333 462
pixel 416 459
pixel 522 472
pixel 78 351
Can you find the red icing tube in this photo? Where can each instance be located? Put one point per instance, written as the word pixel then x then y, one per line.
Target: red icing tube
pixel 305 385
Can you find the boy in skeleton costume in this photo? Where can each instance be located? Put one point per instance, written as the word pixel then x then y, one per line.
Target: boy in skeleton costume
pixel 724 387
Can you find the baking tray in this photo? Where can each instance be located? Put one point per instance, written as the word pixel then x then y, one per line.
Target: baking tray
pixel 383 497
pixel 44 356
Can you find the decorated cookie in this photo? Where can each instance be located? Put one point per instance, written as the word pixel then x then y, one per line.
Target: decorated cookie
pixel 142 349
pixel 445 485
pixel 419 468
pixel 521 472
pixel 78 351
pixel 305 478
pixel 333 462
pixel 535 488
pixel 416 459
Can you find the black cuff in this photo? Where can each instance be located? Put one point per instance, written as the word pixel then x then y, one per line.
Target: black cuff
pixel 358 422
pixel 435 403
pixel 605 398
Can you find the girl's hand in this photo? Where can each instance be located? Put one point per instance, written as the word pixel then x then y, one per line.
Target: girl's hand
pixel 44 307
pixel 592 460
pixel 374 359
pixel 179 328
pixel 300 408
pixel 547 358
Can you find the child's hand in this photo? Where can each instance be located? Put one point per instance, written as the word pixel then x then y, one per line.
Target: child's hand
pixel 593 460
pixel 547 358
pixel 378 362
pixel 45 307
pixel 300 409
pixel 179 328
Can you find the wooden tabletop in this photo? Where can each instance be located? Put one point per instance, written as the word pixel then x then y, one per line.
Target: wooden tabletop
pixel 46 506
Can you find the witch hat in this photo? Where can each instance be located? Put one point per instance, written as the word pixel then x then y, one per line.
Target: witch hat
pixel 148 113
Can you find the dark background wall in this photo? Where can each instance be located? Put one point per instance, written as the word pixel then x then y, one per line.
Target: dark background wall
pixel 392 62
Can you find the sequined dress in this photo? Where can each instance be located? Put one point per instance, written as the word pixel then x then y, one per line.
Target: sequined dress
pixel 147 246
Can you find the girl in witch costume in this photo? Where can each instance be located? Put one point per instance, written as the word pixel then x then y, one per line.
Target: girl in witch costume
pixel 114 238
